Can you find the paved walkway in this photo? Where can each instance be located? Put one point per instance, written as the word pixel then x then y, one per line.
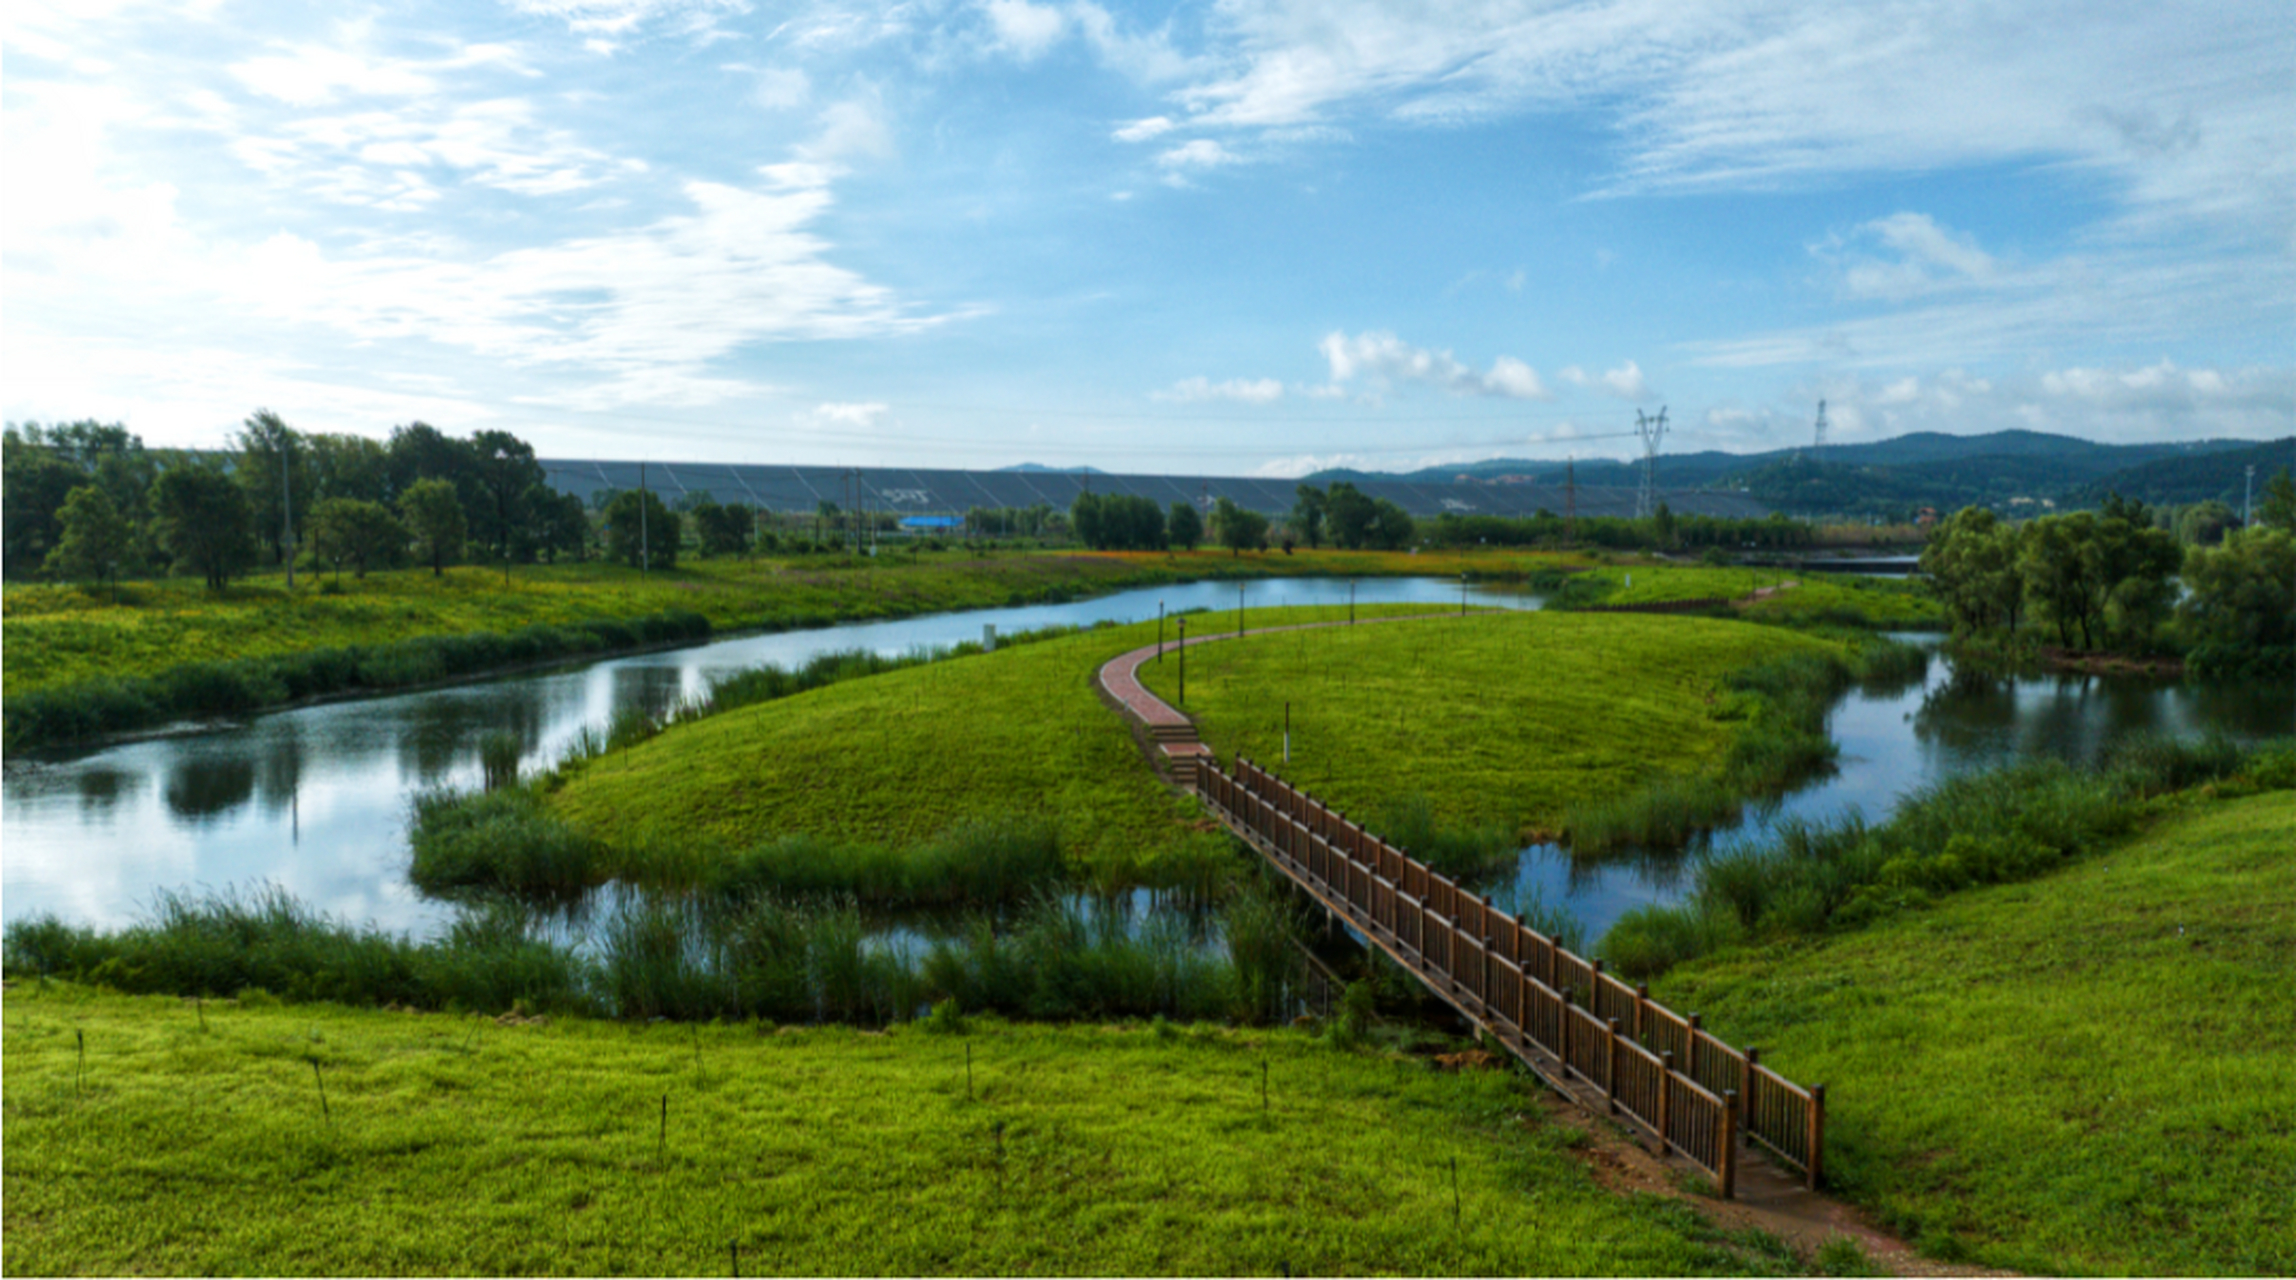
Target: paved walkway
pixel 1166 726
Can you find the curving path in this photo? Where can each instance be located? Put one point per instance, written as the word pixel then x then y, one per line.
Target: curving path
pixel 1167 733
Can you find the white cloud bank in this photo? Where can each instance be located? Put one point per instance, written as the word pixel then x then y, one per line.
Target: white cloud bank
pixel 1381 357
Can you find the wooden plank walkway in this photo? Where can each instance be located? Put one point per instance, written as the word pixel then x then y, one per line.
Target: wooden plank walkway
pixel 1598 1041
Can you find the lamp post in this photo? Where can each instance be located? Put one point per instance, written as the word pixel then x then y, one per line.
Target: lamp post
pixel 1351 602
pixel 1159 633
pixel 1239 611
pixel 1462 595
pixel 1183 660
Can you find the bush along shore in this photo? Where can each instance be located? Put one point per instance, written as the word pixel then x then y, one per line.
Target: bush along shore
pixel 2003 825
pixel 701 957
pixel 202 690
pixel 1780 707
pixel 80 671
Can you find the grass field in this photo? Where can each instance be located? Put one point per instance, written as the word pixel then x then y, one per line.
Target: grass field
pixel 1507 719
pixel 2084 1073
pixel 899 758
pixel 459 1145
pixel 1815 597
pixel 59 635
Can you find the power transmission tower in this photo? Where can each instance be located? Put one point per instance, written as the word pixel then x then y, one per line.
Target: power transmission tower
pixel 1653 433
pixel 1818 437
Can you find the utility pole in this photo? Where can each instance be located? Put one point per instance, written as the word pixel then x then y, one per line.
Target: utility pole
pixel 645 544
pixel 1570 500
pixel 1653 433
pixel 1818 436
pixel 287 509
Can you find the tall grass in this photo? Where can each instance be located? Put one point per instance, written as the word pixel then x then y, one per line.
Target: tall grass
pixel 2005 824
pixel 1461 852
pixel 685 957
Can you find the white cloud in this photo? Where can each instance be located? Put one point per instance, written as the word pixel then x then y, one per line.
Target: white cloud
pixel 620 18
pixel 312 75
pixel 1383 357
pixel 1246 391
pixel 1203 153
pixel 1025 30
pixel 1143 130
pixel 855 414
pixel 854 127
pixel 1924 258
pixel 779 88
pixel 1626 381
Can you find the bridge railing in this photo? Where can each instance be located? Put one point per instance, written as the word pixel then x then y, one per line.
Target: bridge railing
pixel 1701 1096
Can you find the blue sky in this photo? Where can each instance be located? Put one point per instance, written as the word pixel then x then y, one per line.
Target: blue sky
pixel 1249 236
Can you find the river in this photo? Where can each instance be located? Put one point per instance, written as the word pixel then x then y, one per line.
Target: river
pixel 315 799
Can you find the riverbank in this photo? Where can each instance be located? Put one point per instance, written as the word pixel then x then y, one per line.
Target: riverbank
pixel 247 1138
pixel 81 668
pixel 2084 1072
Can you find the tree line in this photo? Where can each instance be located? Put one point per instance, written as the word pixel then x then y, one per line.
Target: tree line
pixel 87 501
pixel 2120 579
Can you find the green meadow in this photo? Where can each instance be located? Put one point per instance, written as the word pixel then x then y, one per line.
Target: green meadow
pixel 1506 720
pixel 245 1137
pixel 2088 1072
pixel 899 759
pixel 1814 597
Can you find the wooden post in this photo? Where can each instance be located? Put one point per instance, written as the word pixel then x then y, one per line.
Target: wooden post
pixel 1753 1060
pixel 1566 1035
pixel 1690 1048
pixel 1817 1134
pixel 1727 1172
pixel 1665 1104
pixel 1610 1086
pixel 1641 1013
pixel 1594 1000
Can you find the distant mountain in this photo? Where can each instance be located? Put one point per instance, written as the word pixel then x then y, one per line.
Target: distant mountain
pixel 2219 473
pixel 1041 469
pixel 1898 476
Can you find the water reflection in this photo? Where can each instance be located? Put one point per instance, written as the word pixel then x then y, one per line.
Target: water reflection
pixel 315 799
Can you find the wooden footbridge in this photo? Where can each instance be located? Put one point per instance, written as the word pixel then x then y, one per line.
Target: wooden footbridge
pixel 1597 1039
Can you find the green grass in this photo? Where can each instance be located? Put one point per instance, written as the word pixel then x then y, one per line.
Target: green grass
pixel 1498 719
pixel 61 635
pixel 457 1145
pixel 2088 1072
pixel 1817 597
pixel 900 760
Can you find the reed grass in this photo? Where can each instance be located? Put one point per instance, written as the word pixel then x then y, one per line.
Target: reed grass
pixel 1999 826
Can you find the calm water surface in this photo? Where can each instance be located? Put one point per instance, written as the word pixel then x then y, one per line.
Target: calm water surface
pixel 316 799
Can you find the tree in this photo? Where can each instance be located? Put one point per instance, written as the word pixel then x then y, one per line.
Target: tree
pixel 348 467
pixel 276 475
pixel 2059 578
pixel 1351 515
pixel 1307 514
pixel 1664 527
pixel 97 539
pixel 502 472
pixel 433 513
pixel 723 530
pixel 2205 523
pixel 1185 526
pixel 640 531
pixel 2278 510
pixel 1238 529
pixel 420 451
pixel 1391 526
pixel 558 524
pixel 35 482
pixel 364 533
pixel 1971 563
pixel 203 522
pixel 1118 522
pixel 2239 611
